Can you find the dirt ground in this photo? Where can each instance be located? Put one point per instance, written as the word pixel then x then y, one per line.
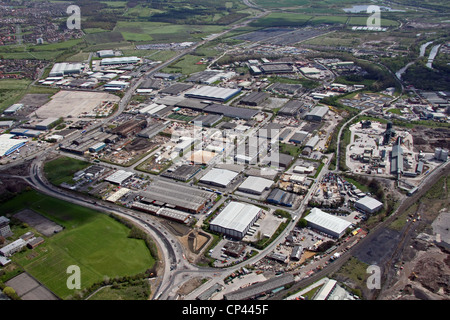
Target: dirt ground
pixel 190 286
pixel 427 139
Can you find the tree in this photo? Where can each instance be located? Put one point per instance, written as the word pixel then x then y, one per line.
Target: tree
pixel 10 292
pixel 302 223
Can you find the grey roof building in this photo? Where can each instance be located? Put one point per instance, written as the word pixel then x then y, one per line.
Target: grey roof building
pixel 261 288
pixel 316 114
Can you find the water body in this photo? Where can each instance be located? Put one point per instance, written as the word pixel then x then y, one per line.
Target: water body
pixel 423 48
pixel 363 8
pixel 433 53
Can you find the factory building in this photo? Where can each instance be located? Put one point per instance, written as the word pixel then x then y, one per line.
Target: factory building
pixel 213 93
pixel 219 177
pixel 64 69
pixel 119 177
pixel 397 158
pixel 13 108
pixel 255 185
pixel 176 196
pixel 369 204
pixel 298 137
pixel 9 145
pixel 119 61
pixel 254 98
pixel 441 154
pixel 278 196
pixel 327 223
pixel 236 219
pixel 317 114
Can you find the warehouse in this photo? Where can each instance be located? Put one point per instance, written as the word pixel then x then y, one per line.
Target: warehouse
pixel 152 130
pixel 255 185
pixel 182 173
pixel 179 196
pixel 219 177
pixel 9 145
pixel 167 213
pixel 13 108
pixel 327 223
pixel 369 204
pixel 213 93
pixel 308 71
pixel 397 158
pixel 291 109
pixel 176 89
pixel 119 61
pixel 193 104
pixel 312 142
pixel 254 99
pixel 64 69
pixel 270 68
pixel 97 147
pixel 316 114
pixel 130 127
pixel 298 137
pixel 278 160
pixel 119 177
pixel 232 112
pixel 278 196
pixel 46 124
pixel 207 120
pixel 236 219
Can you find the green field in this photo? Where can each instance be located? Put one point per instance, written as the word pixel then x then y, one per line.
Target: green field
pixel 11 91
pixel 186 65
pixel 62 169
pixel 163 32
pixel 96 243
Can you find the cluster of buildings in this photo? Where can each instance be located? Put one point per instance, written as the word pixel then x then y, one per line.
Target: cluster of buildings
pixel 27 240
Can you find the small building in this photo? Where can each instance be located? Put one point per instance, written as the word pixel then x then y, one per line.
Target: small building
pixel 13 247
pixel 369 204
pixel 35 242
pixel 296 253
pixel 13 108
pixel 5 230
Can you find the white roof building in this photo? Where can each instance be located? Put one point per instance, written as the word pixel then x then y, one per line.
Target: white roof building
pixel 219 177
pixel 8 145
pixel 255 185
pixel 236 219
pixel 119 177
pixel 369 204
pixel 327 223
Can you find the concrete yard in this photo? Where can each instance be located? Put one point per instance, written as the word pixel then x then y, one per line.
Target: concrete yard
pixel 73 104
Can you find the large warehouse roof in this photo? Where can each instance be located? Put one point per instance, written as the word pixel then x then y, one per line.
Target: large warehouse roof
pixel 232 112
pixel 213 93
pixel 8 145
pixel 255 185
pixel 176 194
pixel 327 221
pixel 220 177
pixel 236 216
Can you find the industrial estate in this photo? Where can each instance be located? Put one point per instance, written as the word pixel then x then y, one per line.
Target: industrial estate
pixel 251 151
